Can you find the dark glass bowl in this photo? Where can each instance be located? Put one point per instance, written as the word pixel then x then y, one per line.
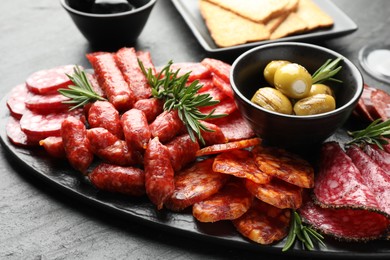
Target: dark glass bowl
pixel 291 131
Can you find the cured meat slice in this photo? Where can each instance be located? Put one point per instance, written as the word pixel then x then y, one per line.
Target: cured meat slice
pixel 151 107
pixel 182 151
pixel 194 184
pixel 46 103
pixel 234 127
pixel 381 102
pixel 118 179
pixel 226 106
pixel 222 85
pixel 374 176
pixel 339 183
pixel 39 126
pixel 15 101
pixel 215 93
pixel 159 174
pixel 218 67
pixel 76 144
pixel 284 165
pixel 196 69
pixel 263 223
pixel 16 135
pixel 214 137
pixel 54 146
pixel 231 202
pixel 103 114
pixel 241 164
pixel 278 193
pixel 136 129
pixel 111 80
pixel 110 149
pixel 345 224
pixel 219 148
pixel 379 156
pixel 49 80
pixel 206 84
pixel 126 59
pixel 166 126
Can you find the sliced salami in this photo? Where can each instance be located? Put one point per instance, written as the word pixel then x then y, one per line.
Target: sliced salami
pixel 197 70
pixel 234 127
pixel 39 126
pixel 215 93
pixel 16 135
pixel 381 102
pixel 206 84
pixel 263 223
pixel 226 106
pixel 374 177
pixel 219 148
pixel 218 67
pixel 339 183
pixel 231 202
pixel 195 183
pixel 46 103
pixel 49 80
pixel 16 100
pixel 241 164
pixel 379 156
pixel 222 85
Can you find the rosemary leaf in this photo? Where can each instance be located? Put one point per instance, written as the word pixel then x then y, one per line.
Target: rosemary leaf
pixel 327 71
pixel 375 133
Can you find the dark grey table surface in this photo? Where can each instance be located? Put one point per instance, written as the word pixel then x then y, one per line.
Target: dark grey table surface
pixel 39 222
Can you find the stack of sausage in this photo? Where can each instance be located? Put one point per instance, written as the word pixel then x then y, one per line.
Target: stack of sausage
pixel 129 145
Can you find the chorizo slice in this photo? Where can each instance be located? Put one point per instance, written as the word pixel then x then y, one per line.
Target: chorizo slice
pixel 278 193
pixel 54 146
pixel 166 126
pixel 111 80
pixel 182 151
pixel 264 223
pixel 118 179
pixel 109 148
pixel 136 129
pixel 284 165
pixel 231 202
pixel 241 164
pixel 159 174
pixel 15 101
pixel 104 114
pixel 219 148
pixel 76 144
pixel 195 183
pixel 151 107
pixel 126 59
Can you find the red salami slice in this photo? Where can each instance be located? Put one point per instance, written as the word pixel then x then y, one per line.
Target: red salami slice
pixel 215 93
pixel 231 202
pixel 49 81
pixel 339 183
pixel 39 126
pixel 126 59
pixel 345 224
pixel 206 84
pixel 46 103
pixel 381 102
pixel 226 106
pixel 198 71
pixel 118 179
pixel 218 67
pixel 379 156
pixel 234 127
pixel 15 101
pixel 16 135
pixel 222 85
pixel 54 146
pixel 366 97
pixel 194 184
pixel 374 177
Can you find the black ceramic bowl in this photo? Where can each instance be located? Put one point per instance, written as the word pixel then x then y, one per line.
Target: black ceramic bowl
pixel 291 131
pixel 112 30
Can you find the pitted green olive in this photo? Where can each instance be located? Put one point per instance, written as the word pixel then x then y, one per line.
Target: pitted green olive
pixel 320 89
pixel 312 105
pixel 270 69
pixel 293 80
pixel 272 99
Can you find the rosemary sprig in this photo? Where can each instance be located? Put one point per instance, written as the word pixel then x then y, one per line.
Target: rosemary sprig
pixel 327 71
pixel 170 87
pixel 304 233
pixel 376 133
pixel 81 92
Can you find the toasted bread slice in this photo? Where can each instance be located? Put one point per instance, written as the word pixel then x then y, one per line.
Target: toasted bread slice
pixel 312 15
pixel 291 25
pixel 229 29
pixel 259 11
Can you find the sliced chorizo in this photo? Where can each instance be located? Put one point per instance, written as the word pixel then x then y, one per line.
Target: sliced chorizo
pixel 219 148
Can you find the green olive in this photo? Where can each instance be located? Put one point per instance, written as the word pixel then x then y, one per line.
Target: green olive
pixel 272 99
pixel 320 89
pixel 270 69
pixel 293 80
pixel 312 105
